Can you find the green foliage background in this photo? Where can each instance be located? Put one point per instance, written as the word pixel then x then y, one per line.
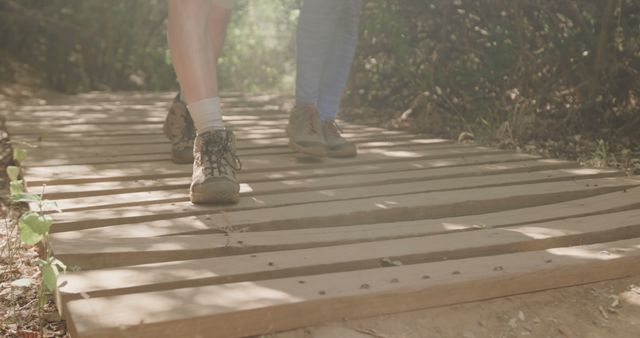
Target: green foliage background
pixel 80 45
pixel 520 69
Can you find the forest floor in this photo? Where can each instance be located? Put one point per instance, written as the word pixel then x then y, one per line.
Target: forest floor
pixel 605 309
pixel 619 151
pixel 601 310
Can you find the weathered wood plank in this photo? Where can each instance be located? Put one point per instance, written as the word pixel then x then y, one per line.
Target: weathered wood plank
pixel 329 179
pixel 323 250
pixel 250 308
pixel 93 148
pixel 333 186
pixel 268 161
pixel 237 242
pixel 267 125
pixel 86 154
pixel 264 213
pixel 107 173
pixel 157 139
pixel 140 170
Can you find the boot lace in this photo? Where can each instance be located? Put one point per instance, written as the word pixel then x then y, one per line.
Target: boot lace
pixel 309 121
pixel 189 131
pixel 332 128
pixel 218 153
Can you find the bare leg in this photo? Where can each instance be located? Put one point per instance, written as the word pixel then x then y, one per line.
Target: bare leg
pixel 196 36
pixel 218 22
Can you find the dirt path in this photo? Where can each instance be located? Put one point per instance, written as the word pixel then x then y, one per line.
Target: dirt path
pixel 608 309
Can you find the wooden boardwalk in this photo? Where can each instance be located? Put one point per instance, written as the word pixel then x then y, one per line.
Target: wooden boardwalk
pixel 413 222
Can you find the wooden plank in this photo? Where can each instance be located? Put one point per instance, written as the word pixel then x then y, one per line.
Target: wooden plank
pixel 157 209
pixel 342 187
pixel 268 214
pixel 96 172
pixel 101 174
pixel 252 308
pixel 80 103
pixel 281 161
pixel 256 136
pixel 144 146
pixel 259 134
pixel 75 154
pixel 327 179
pixel 240 126
pixel 124 116
pixel 611 202
pixel 413 240
pixel 91 140
pixel 123 141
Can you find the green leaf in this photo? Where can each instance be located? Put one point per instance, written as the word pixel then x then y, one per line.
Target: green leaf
pixel 47 204
pixel 13 172
pixel 32 227
pixel 22 282
pixel 16 188
pixel 27 235
pixel 50 276
pixel 26 197
pixel 58 264
pixel 39 224
pixel 19 154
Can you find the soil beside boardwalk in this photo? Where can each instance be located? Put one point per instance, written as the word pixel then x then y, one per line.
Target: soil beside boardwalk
pixel 601 310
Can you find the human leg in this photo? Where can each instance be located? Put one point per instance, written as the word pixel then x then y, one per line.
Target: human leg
pixel 179 127
pixel 316 27
pixel 335 74
pixel 194 50
pixel 337 67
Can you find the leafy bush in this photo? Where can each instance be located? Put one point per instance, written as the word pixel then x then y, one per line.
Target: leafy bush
pixel 527 69
pixel 80 45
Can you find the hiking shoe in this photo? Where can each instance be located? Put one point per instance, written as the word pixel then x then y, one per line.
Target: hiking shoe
pixel 214 168
pixel 179 129
pixel 336 145
pixel 304 131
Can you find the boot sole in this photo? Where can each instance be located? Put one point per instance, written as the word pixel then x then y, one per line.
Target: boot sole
pixel 314 149
pixel 222 191
pixel 181 159
pixel 341 154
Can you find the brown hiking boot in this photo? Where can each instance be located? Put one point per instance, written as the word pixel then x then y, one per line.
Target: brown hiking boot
pixel 214 168
pixel 179 129
pixel 304 131
pixel 336 145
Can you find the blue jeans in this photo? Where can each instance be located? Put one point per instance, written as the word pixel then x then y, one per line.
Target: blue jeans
pixel 326 43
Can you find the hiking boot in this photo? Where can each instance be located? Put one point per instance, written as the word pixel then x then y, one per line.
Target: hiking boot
pixel 214 168
pixel 336 145
pixel 179 129
pixel 304 131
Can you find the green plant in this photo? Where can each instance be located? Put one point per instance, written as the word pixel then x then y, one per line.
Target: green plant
pixel 600 155
pixel 33 229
